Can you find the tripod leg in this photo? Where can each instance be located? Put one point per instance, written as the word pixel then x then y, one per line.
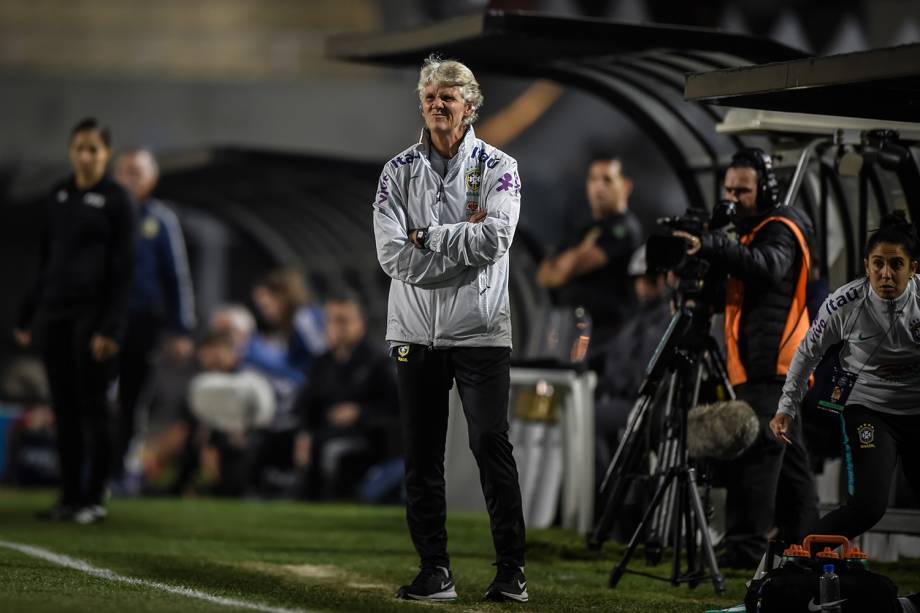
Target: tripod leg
pixel 666 510
pixel 617 573
pixel 676 525
pixel 657 536
pixel 717 580
pixel 637 418
pixel 619 476
pixel 660 364
pixel 619 488
pixel 690 528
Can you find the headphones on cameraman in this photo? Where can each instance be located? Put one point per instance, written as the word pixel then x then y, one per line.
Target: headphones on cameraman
pixel 767 186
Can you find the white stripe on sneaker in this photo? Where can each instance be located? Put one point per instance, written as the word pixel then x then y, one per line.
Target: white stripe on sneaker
pixel 450 594
pixel 522 597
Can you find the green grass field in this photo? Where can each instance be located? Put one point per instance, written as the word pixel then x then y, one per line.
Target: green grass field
pixel 310 557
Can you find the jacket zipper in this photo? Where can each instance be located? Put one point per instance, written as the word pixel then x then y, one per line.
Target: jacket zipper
pixel 434 310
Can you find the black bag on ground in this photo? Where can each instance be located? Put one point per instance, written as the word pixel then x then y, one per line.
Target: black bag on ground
pixel 793 588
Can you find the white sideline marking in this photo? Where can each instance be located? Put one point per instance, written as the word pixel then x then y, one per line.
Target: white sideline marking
pixel 104 573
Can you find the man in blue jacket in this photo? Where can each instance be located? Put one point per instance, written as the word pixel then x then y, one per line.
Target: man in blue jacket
pixel 161 298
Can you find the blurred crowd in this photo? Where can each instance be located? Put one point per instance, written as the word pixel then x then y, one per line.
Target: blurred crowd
pixel 283 396
pixel 288 399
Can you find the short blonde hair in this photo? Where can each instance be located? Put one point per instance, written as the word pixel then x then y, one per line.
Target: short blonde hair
pixel 451 73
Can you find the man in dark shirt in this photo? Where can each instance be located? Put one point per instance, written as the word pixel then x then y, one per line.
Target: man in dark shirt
pixel 349 406
pixel 592 271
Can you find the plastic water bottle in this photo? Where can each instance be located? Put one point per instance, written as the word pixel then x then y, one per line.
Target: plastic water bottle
pixel 829 590
pixel 583 329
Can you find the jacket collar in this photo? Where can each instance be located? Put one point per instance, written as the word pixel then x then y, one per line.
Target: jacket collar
pixel 453 165
pixel 895 304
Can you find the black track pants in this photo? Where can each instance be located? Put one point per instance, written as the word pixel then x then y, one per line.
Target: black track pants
pixel 875 442
pixel 483 381
pixel 78 395
pixel 770 484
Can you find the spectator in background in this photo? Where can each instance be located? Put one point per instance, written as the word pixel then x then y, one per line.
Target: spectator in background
pixel 292 338
pixel 234 404
pixel 295 327
pixel 161 298
pixel 259 352
pixel 271 470
pixel 183 441
pixel 284 351
pixel 229 404
pixel 236 321
pixel 31 450
pixel 31 455
pixel 591 271
pixel 81 293
pixel 627 356
pixel 349 408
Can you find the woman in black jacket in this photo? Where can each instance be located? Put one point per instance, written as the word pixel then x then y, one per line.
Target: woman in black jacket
pixel 78 303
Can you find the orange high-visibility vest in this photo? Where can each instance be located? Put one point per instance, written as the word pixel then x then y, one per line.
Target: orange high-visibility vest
pixel 796 321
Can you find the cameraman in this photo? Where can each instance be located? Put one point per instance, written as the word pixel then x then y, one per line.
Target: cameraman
pixel 765 320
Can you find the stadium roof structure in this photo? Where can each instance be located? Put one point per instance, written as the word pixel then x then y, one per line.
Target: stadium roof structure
pixel 740 120
pixel 880 84
pixel 526 42
pixel 867 101
pixel 639 69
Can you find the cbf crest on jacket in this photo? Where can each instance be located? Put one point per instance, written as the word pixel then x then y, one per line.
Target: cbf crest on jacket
pixel 454 292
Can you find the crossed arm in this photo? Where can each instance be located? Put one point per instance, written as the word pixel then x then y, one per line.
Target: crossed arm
pixel 451 249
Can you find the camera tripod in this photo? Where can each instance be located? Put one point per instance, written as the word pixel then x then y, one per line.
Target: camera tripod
pixel 675 515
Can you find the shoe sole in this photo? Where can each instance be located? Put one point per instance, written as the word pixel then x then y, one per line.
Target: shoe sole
pixel 504 596
pixel 421 598
pixel 445 596
pixel 94 518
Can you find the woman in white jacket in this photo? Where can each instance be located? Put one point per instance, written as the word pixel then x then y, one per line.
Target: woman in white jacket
pixel 875 381
pixel 444 218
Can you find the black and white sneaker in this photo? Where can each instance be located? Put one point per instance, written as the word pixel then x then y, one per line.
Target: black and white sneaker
pixel 509 584
pixel 910 604
pixel 91 514
pixel 434 584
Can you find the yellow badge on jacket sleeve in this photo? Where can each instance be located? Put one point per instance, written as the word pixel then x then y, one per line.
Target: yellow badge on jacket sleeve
pixel 150 228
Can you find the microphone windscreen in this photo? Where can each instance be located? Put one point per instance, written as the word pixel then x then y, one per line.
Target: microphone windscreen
pixel 721 430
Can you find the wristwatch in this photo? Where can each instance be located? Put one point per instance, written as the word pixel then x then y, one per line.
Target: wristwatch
pixel 421 237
